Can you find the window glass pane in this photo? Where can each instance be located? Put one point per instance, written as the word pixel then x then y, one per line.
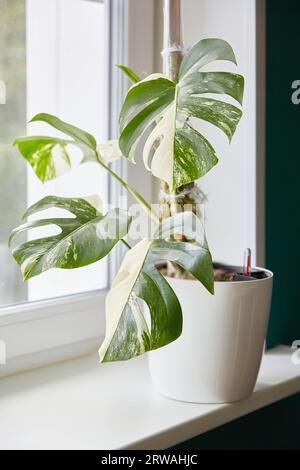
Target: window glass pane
pixel 12 122
pixel 61 68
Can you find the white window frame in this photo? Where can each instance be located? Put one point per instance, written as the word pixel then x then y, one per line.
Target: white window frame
pixel 47 331
pixel 55 84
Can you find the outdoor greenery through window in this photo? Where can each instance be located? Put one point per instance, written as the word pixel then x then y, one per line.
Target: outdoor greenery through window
pixel 12 120
pixel 40 44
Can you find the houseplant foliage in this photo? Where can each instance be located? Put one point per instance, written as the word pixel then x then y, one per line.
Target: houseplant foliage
pixel 180 154
pixel 176 152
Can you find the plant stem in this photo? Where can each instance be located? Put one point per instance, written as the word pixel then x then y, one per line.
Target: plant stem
pixel 123 184
pixel 173 55
pixel 138 197
pixel 126 243
pixel 173 44
pixel 172 58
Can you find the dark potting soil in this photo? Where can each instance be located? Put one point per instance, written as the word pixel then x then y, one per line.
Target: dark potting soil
pixel 222 272
pixel 225 272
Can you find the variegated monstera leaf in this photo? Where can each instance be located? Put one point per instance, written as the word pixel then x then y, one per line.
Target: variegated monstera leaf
pixel 82 240
pixel 49 156
pixel 175 151
pixel 127 332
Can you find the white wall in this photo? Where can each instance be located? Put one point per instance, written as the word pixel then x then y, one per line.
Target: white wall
pixel 139 55
pixel 231 185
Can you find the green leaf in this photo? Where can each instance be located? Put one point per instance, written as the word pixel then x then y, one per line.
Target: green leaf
pixel 77 134
pixel 173 149
pixel 220 114
pixel 194 156
pixel 127 332
pixel 130 74
pixel 227 83
pixel 49 156
pixel 205 52
pixel 143 106
pixel 151 93
pixel 83 239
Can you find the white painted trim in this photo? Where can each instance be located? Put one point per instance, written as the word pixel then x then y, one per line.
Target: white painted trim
pixel 38 333
pixel 35 360
pixel 83 405
pixel 116 93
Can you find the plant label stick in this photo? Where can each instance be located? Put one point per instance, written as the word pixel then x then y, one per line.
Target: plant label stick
pixel 247 262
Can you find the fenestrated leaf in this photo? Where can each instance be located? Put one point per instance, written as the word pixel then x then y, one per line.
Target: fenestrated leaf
pixel 195 156
pixel 221 114
pixel 83 239
pixel 174 150
pixel 143 105
pixel 130 74
pixel 49 156
pixel 203 52
pixel 227 83
pixel 127 332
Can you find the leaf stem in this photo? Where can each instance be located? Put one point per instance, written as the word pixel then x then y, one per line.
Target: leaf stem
pixel 132 191
pixel 126 244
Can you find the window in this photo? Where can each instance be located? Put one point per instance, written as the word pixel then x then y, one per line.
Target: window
pixel 54 59
pixel 12 122
pixel 59 56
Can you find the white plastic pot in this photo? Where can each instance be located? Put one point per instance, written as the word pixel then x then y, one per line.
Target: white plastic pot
pixel 218 355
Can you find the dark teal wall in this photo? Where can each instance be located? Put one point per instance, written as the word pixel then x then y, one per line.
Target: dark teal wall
pixel 283 168
pixel 273 427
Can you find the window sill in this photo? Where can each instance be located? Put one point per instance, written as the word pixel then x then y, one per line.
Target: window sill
pixel 82 405
pixel 39 333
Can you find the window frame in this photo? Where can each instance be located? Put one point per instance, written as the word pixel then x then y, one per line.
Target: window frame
pixel 47 331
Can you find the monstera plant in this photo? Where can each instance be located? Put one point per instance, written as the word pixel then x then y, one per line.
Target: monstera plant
pixel 159 116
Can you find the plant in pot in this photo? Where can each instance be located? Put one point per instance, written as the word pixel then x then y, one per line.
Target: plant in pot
pixel 203 347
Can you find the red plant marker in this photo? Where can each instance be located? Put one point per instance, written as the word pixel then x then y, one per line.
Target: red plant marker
pixel 247 262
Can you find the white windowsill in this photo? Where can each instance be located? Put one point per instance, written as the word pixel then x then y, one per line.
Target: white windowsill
pixel 82 405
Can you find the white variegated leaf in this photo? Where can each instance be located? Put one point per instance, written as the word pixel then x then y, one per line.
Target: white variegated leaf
pixel 83 239
pixel 95 201
pixel 109 151
pixel 174 150
pixel 123 311
pixel 49 156
pixel 160 141
pixel 127 332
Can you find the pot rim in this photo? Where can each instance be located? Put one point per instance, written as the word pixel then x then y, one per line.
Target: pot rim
pixel 269 277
